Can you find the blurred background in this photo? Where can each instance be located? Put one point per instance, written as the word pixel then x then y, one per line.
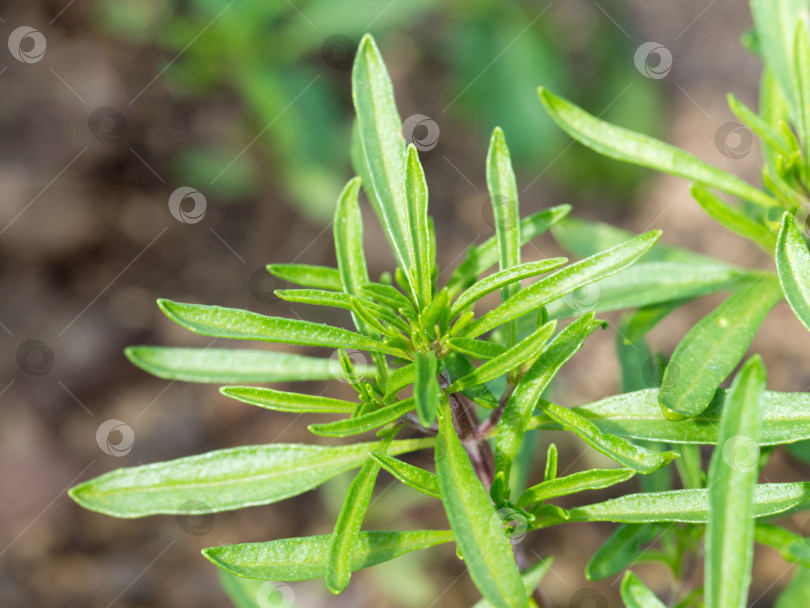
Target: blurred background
pixel 248 102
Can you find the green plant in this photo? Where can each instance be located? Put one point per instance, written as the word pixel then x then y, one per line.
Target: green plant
pixel 473 400
pixel 263 55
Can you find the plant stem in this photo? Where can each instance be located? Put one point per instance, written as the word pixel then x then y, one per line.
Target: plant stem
pixel 487 426
pixel 477 449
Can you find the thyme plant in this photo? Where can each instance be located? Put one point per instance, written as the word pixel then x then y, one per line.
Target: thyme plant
pixel 469 384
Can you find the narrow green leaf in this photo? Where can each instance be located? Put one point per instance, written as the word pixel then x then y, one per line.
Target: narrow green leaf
pixel 383 148
pixel 531 578
pixel 220 322
pixel 299 559
pixel 594 479
pixel 505 210
pixel 416 197
pixel 635 594
pixel 526 350
pixel 622 451
pixel 458 366
pixel 518 411
pixel 475 524
pixel 481 258
pixel 793 266
pixel 733 219
pixel 344 301
pixel 629 146
pixel 565 281
pixel 419 479
pixel 399 379
pixel 621 550
pixel 316 297
pixel 785 418
pixel 501 279
pixel 364 422
pixel 347 527
pixel 775 22
pixel 688 505
pixel 586 238
pixel 550 473
pixel 426 387
pixel 347 230
pixel 646 283
pixel 733 475
pixel 348 234
pixel 317 277
pixel 713 348
pixel 218 365
pixel 478 349
pixel 224 479
pixel 793 547
pixel 770 136
pixel 287 402
pixel 391 297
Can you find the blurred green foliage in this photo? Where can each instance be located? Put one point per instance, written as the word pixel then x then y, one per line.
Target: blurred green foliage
pixel 286 66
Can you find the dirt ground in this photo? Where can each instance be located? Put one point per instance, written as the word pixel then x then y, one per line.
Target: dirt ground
pixel 87 243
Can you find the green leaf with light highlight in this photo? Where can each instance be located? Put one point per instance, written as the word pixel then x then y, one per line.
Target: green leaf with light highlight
pixel 732 478
pixel 487 555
